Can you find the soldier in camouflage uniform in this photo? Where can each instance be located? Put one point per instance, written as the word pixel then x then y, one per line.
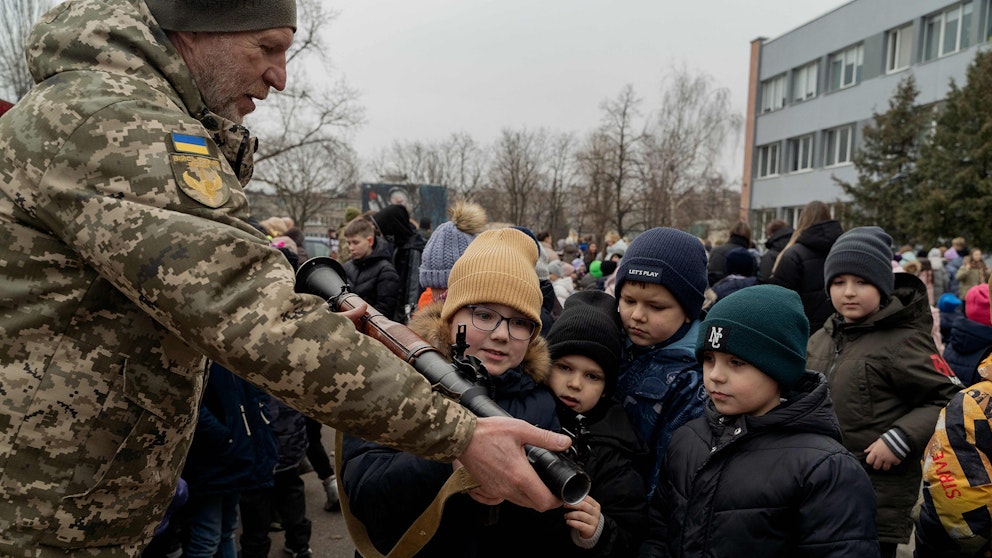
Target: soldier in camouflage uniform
pixel 127 262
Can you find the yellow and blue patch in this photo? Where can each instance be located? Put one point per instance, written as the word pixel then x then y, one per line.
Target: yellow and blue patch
pixel 190 144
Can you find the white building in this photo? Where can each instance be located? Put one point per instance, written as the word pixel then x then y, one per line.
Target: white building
pixel 813 89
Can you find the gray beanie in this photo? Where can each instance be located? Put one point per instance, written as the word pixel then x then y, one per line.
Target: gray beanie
pixel 223 15
pixel 865 252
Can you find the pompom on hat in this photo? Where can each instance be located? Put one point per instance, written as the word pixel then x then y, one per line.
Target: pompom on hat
pixel 498 268
pixel 671 258
pixel 765 325
pixel 447 243
pixel 223 15
pixel 589 325
pixel 865 252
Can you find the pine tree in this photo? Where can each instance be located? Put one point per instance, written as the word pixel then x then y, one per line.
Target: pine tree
pixel 885 163
pixel 954 193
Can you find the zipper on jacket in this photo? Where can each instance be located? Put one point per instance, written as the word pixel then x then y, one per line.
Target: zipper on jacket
pixel 244 419
pixel 832 369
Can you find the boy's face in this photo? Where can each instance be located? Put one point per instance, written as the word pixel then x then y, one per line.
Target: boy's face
pixel 360 246
pixel 577 381
pixel 854 298
pixel 738 388
pixel 649 312
pixel 496 349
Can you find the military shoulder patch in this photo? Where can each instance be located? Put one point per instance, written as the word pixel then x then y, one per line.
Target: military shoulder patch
pixel 198 175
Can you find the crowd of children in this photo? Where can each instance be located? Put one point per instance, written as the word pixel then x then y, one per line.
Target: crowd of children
pixel 711 418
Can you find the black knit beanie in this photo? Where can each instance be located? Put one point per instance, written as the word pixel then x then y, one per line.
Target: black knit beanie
pixel 589 325
pixel 865 252
pixel 223 15
pixel 671 258
pixel 765 325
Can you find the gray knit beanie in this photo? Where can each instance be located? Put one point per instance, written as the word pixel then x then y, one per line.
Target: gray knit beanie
pixel 447 243
pixel 865 252
pixel 223 15
pixel 763 324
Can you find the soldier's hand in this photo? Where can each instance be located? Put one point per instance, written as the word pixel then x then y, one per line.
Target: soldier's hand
pixel 496 458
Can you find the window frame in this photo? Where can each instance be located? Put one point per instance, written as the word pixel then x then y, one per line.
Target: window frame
pixel 832 146
pixel 805 72
pixel 894 44
pixel 796 149
pixel 773 93
pixel 935 30
pixel 765 169
pixel 853 56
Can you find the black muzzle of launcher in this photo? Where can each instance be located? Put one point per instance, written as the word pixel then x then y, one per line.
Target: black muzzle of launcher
pixel 324 277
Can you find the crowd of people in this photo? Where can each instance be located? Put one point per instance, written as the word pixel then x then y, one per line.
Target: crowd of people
pixel 165 380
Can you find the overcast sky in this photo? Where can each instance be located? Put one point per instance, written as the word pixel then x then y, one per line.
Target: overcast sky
pixel 427 68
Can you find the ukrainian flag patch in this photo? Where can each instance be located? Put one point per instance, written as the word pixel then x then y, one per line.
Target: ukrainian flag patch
pixel 190 144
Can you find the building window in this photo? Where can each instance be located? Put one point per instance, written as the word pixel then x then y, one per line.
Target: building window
pixel 947 32
pixel 768 160
pixel 773 94
pixel 804 82
pixel 898 49
pixel 801 153
pixel 845 67
pixel 837 145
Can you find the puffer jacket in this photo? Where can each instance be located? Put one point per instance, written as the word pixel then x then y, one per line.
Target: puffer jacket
pixel 969 343
pixel 801 269
pixel 777 485
pixel 661 388
pixel 127 262
pixel 388 490
pixel 374 278
pixel 773 246
pixel 608 449
pixel 886 377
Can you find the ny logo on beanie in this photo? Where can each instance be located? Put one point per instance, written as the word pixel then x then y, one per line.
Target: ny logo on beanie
pixel 713 340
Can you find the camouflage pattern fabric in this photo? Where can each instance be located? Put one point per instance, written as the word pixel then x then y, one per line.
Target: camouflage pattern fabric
pixel 126 263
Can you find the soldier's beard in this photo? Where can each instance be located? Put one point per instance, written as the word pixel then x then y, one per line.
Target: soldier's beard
pixel 220 88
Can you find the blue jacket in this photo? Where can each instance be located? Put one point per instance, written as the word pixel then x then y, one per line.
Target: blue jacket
pixel 970 341
pixel 233 449
pixel 661 388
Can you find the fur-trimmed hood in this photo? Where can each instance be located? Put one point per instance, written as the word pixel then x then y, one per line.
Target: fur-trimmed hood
pixel 427 324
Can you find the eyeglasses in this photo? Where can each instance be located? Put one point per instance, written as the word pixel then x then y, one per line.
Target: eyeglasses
pixel 487 319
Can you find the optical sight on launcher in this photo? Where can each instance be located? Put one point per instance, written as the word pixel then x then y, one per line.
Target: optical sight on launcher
pixel 464 380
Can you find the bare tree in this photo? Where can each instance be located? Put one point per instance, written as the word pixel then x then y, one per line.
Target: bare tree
pixel 457 162
pixel 612 155
pixel 560 183
pixel 465 161
pixel 516 174
pixel 16 19
pixel 594 189
pixel 310 177
pixel 307 152
pixel 682 147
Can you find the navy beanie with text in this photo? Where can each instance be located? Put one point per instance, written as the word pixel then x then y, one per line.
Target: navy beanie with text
pixel 671 258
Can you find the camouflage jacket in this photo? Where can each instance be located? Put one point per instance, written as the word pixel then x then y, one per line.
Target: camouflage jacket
pixel 126 261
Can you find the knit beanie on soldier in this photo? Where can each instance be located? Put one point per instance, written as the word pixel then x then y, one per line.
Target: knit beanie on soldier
pixel 223 15
pixel 671 258
pixel 865 252
pixel 498 268
pixel 589 325
pixel 447 243
pixel 764 325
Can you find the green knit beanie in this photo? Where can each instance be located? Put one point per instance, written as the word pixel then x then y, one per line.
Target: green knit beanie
pixel 223 15
pixel 764 325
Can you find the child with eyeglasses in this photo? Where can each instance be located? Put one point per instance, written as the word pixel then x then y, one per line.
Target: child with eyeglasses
pixel 493 293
